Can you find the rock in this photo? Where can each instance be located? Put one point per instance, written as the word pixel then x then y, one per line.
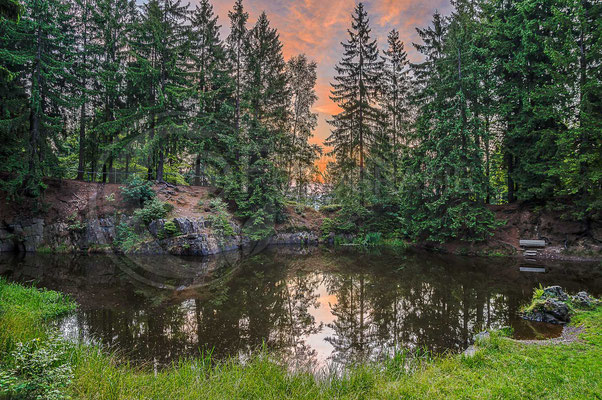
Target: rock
pixel 298 238
pixel 584 300
pixel 470 351
pixel 557 309
pixel 481 336
pixel 555 292
pixel 552 311
pixel 156 226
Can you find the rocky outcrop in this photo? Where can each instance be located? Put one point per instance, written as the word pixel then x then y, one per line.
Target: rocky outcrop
pixel 22 235
pixel 584 300
pixel 298 238
pixel 191 236
pixel 555 306
pixel 552 311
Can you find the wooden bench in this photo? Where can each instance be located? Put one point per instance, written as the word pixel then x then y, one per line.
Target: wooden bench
pixel 533 243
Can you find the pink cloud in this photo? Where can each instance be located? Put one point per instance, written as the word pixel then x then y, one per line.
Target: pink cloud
pixel 316 28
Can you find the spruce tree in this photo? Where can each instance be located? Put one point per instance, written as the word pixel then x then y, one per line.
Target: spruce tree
pixel 532 93
pixel 355 91
pixel 211 82
pixel 300 155
pixel 84 69
pixel 266 97
pixel 580 158
pixel 445 186
pixel 40 53
pixel 160 72
pixel 236 51
pixel 396 97
pixel 112 24
pixel 14 110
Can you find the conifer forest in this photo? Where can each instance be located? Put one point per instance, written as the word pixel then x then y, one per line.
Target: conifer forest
pixel 503 106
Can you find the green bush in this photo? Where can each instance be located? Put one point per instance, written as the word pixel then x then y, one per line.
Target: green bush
pixel 126 238
pixel 138 191
pixel 75 225
pixel 370 239
pixel 37 369
pixel 220 219
pixel 169 229
pixel 153 209
pixel 327 227
pixel 331 208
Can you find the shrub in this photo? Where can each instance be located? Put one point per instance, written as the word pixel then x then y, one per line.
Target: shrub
pixel 220 219
pixel 330 208
pixel 138 191
pixel 169 229
pixel 38 369
pixel 153 209
pixel 372 239
pixel 125 238
pixel 327 227
pixel 75 225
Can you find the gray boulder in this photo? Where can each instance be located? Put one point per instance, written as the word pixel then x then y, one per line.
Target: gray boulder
pixel 551 308
pixel 551 311
pixel 555 292
pixel 584 300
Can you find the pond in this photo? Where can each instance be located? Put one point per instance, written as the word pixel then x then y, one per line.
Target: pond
pixel 311 307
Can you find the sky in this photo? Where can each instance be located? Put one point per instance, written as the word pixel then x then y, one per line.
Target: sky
pixel 317 28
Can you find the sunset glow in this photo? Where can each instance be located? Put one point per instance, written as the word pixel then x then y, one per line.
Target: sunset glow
pixel 317 29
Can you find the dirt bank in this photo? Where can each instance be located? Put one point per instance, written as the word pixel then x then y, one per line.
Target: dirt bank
pixel 81 216
pixel 77 216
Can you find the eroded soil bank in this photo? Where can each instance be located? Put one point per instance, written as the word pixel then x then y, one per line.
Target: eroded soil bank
pixel 78 216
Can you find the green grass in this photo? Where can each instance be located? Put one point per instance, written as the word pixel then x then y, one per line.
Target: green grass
pixel 500 369
pixel 24 310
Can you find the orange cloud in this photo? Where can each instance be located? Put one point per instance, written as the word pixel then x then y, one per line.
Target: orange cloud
pixel 317 27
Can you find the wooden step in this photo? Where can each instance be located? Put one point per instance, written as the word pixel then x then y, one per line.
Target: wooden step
pixel 531 253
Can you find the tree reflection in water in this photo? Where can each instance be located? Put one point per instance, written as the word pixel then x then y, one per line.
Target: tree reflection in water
pixel 310 309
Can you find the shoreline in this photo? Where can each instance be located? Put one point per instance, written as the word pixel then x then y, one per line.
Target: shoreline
pixel 499 367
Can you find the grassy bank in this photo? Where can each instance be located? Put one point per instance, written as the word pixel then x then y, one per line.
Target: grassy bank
pixel 35 363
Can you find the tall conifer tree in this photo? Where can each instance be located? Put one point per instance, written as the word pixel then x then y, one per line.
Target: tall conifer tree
pixel 210 79
pixel 395 97
pixel 160 70
pixel 355 91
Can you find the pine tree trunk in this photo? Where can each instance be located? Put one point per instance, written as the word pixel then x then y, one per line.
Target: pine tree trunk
pixel 104 172
pixel 197 171
pixel 511 186
pixel 160 166
pixel 82 139
pixel 34 117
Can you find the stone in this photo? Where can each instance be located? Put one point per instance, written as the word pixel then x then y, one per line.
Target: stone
pixel 557 309
pixel 552 311
pixel 556 292
pixel 583 300
pixel 481 336
pixel 156 226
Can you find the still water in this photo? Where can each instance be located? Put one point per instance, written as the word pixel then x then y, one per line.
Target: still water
pixel 310 307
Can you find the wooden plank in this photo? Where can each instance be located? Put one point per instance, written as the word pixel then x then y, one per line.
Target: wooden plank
pixel 533 269
pixel 530 253
pixel 532 243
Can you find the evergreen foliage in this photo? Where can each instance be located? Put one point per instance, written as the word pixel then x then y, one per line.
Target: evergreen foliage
pixel 355 91
pixel 503 104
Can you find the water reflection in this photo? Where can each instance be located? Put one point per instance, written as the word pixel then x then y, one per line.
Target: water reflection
pixel 312 309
